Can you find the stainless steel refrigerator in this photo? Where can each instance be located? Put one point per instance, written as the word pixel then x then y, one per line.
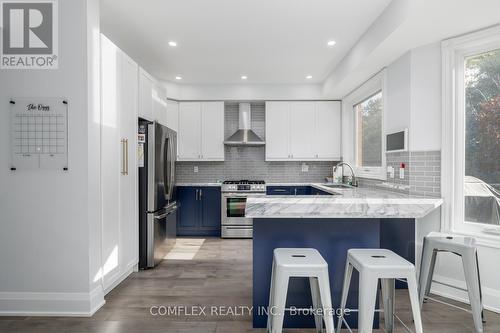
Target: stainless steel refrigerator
pixel 157 201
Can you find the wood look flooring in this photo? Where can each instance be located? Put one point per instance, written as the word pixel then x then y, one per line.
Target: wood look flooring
pixel 207 272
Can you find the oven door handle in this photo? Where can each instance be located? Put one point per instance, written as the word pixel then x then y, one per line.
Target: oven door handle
pixel 242 195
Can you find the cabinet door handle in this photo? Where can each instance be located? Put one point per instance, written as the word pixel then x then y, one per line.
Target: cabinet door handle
pixel 201 194
pixel 295 191
pixel 124 143
pixel 196 195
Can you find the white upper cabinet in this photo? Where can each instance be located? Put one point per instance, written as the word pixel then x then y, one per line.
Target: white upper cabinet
pixel 159 96
pixel 201 131
pixel 173 115
pixel 146 83
pixel 303 131
pixel 212 131
pixel 277 130
pixel 152 98
pixel 328 131
pixel 189 136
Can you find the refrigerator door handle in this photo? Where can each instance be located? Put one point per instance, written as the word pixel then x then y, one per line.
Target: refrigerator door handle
pixel 166 175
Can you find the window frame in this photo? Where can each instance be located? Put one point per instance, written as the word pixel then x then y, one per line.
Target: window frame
pixel 454 53
pixel 375 85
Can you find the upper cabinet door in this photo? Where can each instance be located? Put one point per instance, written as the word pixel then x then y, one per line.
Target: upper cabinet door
pixel 189 135
pixel 328 131
pixel 277 130
pixel 173 115
pixel 212 131
pixel 159 96
pixel 146 83
pixel 302 130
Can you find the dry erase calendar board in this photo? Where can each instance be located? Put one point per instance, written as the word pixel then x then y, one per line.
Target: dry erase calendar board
pixel 39 133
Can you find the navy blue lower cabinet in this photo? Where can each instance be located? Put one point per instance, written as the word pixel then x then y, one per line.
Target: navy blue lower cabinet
pixel 199 211
pixel 279 190
pixel 316 191
pixel 302 190
pixel 294 190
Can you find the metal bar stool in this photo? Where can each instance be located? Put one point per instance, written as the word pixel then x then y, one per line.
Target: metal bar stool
pixel 372 265
pixel 465 247
pixel 290 262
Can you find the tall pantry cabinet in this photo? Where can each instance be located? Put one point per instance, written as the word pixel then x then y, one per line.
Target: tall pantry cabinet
pixel 119 113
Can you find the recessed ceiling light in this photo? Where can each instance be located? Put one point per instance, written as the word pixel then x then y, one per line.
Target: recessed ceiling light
pixel 172 43
pixel 309 77
pixel 178 77
pixel 244 77
pixel 331 43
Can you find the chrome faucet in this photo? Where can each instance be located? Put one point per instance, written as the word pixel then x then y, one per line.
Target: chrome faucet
pixel 354 180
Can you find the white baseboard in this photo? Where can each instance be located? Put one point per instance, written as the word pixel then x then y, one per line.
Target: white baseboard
pixel 51 304
pixel 491 297
pixel 119 278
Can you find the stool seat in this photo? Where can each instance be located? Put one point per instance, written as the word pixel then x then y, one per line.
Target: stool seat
pixel 299 258
pixel 378 260
pixel 451 243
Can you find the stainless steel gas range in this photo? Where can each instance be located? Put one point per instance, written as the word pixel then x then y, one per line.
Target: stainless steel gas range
pixel 234 224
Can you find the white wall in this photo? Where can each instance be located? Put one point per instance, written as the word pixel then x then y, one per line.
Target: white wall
pixel 426 100
pixel 397 96
pixel 49 218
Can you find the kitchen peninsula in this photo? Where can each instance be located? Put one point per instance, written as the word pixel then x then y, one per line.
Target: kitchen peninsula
pixel 332 224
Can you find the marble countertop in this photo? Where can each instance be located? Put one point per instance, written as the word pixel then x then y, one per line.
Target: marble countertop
pixel 344 203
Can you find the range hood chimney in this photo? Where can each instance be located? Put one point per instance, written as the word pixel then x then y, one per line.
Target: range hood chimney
pixel 244 136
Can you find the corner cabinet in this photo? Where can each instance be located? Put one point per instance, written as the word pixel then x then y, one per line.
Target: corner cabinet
pixel 303 131
pixel 119 111
pixel 199 211
pixel 201 131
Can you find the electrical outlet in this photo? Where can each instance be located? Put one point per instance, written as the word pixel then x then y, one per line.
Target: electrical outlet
pixel 305 167
pixel 195 169
pixel 390 171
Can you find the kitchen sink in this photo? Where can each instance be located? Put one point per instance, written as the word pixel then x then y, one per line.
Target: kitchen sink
pixel 337 185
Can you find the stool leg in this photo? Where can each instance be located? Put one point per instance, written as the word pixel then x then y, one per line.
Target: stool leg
pixel 431 274
pixel 271 300
pixel 414 300
pixel 345 292
pixel 471 278
pixel 388 294
pixel 326 300
pixel 426 270
pixel 480 288
pixel 316 301
pixel 279 301
pixel 367 296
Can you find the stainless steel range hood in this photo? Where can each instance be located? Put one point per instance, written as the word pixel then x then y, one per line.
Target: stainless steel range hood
pixel 244 136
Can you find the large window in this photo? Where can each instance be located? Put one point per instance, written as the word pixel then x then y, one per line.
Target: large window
pixel 363 111
pixel 482 138
pixel 471 128
pixel 368 116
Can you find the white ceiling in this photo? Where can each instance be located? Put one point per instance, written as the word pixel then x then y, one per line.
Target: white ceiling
pixel 270 41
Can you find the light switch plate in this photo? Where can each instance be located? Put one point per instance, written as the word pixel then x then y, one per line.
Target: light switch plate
pixel 195 169
pixel 305 167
